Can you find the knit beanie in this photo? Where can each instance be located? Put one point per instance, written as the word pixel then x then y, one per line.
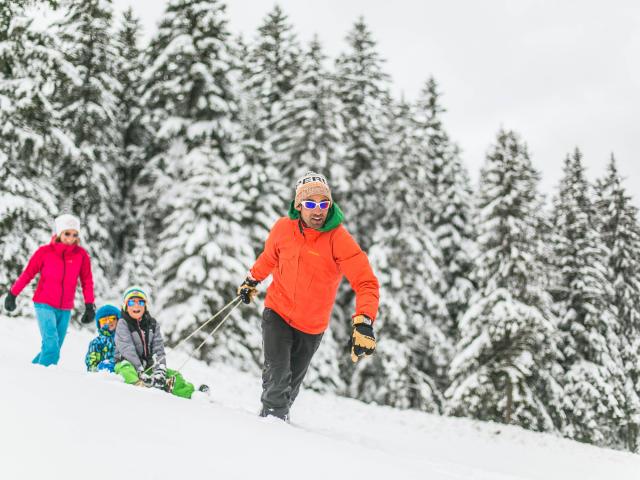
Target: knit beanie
pixel 311 183
pixel 134 292
pixel 66 222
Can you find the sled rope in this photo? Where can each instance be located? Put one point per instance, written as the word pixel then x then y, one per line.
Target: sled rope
pixel 211 319
pixel 237 301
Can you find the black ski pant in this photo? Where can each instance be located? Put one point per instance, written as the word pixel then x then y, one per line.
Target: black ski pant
pixel 287 355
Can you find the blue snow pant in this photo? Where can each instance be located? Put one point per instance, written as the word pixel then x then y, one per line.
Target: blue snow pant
pixel 53 324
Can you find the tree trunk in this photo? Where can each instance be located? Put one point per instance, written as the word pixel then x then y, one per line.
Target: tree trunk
pixel 507 413
pixel 632 437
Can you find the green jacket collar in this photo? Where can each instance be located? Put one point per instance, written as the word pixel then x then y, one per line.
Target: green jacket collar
pixel 334 218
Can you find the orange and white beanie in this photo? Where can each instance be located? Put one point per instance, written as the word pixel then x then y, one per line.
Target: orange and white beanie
pixel 311 183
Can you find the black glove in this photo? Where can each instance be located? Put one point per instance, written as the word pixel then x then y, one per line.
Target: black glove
pixel 89 314
pixel 145 379
pixel 363 342
pixel 248 290
pixel 10 302
pixel 159 377
pixel 158 380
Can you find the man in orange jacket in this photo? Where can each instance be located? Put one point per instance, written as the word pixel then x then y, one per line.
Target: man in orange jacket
pixel 307 253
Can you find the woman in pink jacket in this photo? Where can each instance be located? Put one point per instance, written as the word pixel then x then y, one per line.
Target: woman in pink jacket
pixel 59 264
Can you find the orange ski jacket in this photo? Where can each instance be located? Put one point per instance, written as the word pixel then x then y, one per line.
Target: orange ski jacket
pixel 307 266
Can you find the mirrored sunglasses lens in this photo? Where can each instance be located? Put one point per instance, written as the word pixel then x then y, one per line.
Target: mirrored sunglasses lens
pixel 309 204
pixel 324 205
pixel 105 320
pixel 135 301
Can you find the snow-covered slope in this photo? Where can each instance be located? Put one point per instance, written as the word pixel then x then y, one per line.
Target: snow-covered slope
pixel 63 423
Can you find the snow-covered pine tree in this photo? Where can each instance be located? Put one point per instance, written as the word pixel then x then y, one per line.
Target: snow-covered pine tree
pixel 274 67
pixel 506 360
pixel 10 10
pixel 257 174
pixel 138 267
pixel 594 397
pixel 270 72
pixel 365 112
pixel 324 372
pixel 187 101
pixel 253 172
pixel 187 96
pixel 203 250
pixel 131 160
pixel 449 205
pixel 204 253
pixel 617 221
pixel 89 115
pixel 306 138
pixel 29 138
pixel 308 132
pixel 409 369
pixel 362 87
pixel 187 86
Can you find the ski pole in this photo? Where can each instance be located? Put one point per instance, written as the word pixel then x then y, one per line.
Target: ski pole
pixel 238 302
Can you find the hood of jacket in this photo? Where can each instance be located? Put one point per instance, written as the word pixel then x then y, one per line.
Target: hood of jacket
pixel 61 248
pixel 335 217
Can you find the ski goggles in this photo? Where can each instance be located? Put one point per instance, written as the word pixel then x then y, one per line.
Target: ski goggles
pixel 310 204
pixel 135 301
pixel 107 320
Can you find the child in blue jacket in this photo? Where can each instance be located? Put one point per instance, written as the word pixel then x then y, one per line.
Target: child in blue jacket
pixel 102 348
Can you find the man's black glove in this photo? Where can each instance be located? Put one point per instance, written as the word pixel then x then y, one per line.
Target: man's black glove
pixel 10 302
pixel 363 342
pixel 89 314
pixel 248 290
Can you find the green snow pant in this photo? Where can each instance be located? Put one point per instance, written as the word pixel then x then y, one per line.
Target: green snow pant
pixel 181 387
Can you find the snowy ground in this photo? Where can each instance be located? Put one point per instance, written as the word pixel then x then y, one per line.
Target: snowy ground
pixel 64 423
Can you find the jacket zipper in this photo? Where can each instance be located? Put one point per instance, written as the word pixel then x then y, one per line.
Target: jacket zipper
pixel 295 284
pixel 64 273
pixel 144 343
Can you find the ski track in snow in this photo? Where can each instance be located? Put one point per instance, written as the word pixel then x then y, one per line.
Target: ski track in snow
pixel 64 423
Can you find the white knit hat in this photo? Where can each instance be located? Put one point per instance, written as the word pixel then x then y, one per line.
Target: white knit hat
pixel 67 222
pixel 311 183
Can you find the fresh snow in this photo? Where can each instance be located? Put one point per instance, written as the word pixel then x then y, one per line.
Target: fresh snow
pixel 64 423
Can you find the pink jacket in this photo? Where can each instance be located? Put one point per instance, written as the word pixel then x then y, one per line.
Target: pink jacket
pixel 59 266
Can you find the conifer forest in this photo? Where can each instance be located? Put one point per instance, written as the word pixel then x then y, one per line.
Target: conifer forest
pixel 496 303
